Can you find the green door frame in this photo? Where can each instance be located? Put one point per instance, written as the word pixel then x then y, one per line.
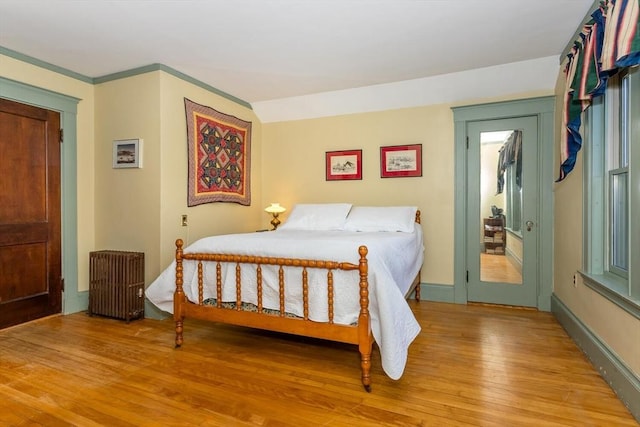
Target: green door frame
pixel 543 108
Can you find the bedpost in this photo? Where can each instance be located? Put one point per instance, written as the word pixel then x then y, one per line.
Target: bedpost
pixel 178 296
pixel 364 321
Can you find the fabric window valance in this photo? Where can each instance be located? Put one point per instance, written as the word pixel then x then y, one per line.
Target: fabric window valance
pixel 608 42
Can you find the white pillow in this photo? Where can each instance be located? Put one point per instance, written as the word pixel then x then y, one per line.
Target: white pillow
pixel 321 217
pixel 390 218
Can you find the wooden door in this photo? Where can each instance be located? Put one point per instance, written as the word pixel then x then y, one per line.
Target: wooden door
pixel 30 227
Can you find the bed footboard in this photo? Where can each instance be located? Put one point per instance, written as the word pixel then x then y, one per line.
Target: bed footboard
pixel 278 320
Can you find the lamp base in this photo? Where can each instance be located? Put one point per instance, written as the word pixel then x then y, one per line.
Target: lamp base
pixel 275 222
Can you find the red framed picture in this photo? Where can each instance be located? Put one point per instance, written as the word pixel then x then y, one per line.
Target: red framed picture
pixel 401 160
pixel 343 165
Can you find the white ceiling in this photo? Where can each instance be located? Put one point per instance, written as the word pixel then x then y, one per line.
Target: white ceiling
pixel 261 50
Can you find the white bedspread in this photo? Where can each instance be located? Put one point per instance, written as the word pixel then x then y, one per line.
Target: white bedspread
pixel 394 260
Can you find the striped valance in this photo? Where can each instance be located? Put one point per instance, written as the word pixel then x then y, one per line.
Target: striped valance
pixel 608 42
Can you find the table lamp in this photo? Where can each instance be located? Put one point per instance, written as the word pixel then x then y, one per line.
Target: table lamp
pixel 275 209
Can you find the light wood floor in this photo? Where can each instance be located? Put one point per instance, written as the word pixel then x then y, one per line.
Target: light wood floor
pixel 498 268
pixel 471 365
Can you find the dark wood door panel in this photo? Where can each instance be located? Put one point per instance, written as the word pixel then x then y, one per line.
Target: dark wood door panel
pixel 30 213
pixel 24 310
pixel 24 271
pixel 23 233
pixel 23 196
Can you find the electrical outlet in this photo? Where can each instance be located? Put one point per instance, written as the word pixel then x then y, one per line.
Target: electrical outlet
pixel 184 221
pixel 575 281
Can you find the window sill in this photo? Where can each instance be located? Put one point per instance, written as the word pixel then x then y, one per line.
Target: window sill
pixel 517 233
pixel 614 289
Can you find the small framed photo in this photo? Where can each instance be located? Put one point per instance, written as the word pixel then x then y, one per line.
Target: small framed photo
pixel 401 160
pixel 127 153
pixel 342 165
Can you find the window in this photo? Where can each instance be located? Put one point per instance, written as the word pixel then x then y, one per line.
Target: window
pixel 513 196
pixel 612 191
pixel 616 125
pixel 512 152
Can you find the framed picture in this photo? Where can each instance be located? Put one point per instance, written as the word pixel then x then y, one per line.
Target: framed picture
pixel 127 153
pixel 342 165
pixel 400 161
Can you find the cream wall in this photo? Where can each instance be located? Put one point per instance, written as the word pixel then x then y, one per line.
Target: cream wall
pixel 127 200
pixel 23 72
pixel 294 170
pixel 607 321
pixel 141 209
pixel 210 218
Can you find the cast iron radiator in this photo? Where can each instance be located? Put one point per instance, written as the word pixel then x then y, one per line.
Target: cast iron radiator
pixel 116 284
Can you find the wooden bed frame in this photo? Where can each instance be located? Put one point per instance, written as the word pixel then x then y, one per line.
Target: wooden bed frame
pixel 358 334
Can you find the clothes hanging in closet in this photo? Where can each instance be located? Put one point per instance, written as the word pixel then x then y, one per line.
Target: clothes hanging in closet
pixel 510 154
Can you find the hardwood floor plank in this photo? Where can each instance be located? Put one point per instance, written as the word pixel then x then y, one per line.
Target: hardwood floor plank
pixel 470 365
pixel 41 411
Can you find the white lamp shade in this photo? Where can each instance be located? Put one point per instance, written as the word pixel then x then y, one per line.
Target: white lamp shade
pixel 275 208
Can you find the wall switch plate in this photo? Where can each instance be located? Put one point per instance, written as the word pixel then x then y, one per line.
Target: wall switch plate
pixel 184 221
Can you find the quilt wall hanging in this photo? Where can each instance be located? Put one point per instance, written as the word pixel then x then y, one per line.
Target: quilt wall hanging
pixel 219 156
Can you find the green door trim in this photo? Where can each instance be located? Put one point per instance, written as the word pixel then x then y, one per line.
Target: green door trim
pixel 543 108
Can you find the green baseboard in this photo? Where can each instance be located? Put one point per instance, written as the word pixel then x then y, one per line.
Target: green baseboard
pixel 620 378
pixel 436 293
pixel 75 302
pixel 153 312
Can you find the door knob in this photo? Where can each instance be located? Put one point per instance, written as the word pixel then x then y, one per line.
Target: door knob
pixel 529 225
